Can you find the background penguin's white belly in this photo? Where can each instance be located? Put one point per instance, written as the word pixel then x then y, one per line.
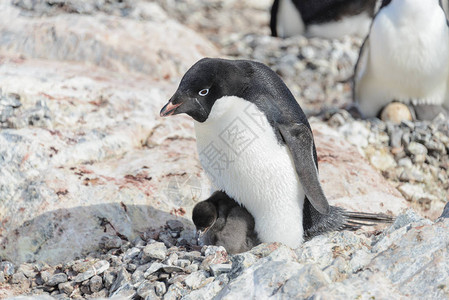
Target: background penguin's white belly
pixel 239 151
pixel 408 58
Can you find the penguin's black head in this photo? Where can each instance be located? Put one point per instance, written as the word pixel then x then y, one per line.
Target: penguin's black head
pixel 204 215
pixel 205 82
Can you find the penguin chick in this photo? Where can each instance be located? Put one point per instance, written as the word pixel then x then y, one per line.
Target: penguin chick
pixel 324 18
pixel 405 58
pixel 220 221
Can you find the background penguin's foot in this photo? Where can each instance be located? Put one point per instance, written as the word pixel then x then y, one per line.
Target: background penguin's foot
pixel 340 219
pixel 428 112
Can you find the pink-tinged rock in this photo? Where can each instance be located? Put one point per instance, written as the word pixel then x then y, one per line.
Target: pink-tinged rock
pixel 87 170
pixel 161 49
pixel 348 179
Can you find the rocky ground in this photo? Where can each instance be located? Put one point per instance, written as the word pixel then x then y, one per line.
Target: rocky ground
pixel 96 190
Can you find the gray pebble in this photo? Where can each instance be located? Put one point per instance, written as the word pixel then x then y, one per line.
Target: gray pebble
pixel 218 269
pixel 154 251
pixel 125 291
pixel 175 225
pixel 96 284
pixel 145 288
pixel 153 268
pixel 122 279
pixel 45 276
pixel 18 277
pixel 183 263
pixel 7 268
pixel 172 269
pixel 130 254
pixel 108 278
pixel 66 287
pixel 110 242
pixel 159 288
pixel 417 148
pixel 195 279
pixel 57 279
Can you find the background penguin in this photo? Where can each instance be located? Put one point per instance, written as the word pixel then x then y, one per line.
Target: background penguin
pixel 405 58
pixel 221 221
pixel 256 145
pixel 321 18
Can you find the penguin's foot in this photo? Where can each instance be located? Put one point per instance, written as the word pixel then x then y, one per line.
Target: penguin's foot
pixel 340 219
pixel 354 110
pixel 428 112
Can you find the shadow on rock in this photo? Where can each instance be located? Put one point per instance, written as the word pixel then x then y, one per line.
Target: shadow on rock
pixel 64 234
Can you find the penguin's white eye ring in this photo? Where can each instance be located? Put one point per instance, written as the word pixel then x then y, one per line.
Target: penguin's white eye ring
pixel 203 92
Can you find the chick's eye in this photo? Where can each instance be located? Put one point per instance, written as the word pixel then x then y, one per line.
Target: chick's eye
pixel 203 92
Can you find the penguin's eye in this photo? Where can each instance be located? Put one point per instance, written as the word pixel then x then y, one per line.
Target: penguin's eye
pixel 203 92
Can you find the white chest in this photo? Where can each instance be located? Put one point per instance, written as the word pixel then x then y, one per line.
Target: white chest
pixel 289 21
pixel 409 50
pixel 239 152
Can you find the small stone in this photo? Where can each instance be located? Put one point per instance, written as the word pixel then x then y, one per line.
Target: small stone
pixel 154 251
pixel 123 278
pixel 18 277
pixel 131 267
pixel 211 250
pixel 192 268
pixel 415 192
pixel 412 174
pixel 218 269
pixel 153 268
pixel 183 263
pixel 28 270
pixel 416 148
pixel 125 291
pixel 163 277
pixel 396 112
pixel 110 242
pixel 172 269
pixel 96 284
pixel 175 291
pixel 84 288
pixel 172 259
pixel 195 279
pixel 159 288
pixel 98 268
pixel 131 254
pixel 192 255
pixel 57 279
pixel 145 289
pixel 99 295
pixel 405 162
pixel 382 160
pixel 45 276
pixel 7 268
pixel 151 295
pixel 175 225
pixel 108 278
pixel 66 287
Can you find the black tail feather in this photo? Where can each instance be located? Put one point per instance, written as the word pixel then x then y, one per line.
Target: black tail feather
pixel 340 219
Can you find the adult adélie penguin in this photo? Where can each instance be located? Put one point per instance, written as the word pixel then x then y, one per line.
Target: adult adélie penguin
pixel 405 58
pixel 256 145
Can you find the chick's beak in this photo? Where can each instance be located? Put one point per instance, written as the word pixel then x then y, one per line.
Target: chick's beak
pixel 201 232
pixel 169 109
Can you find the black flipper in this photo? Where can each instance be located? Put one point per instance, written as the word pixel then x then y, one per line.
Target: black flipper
pixel 340 219
pixel 299 140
